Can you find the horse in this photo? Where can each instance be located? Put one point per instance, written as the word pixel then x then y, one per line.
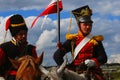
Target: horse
pixel 28 67
pixel 62 73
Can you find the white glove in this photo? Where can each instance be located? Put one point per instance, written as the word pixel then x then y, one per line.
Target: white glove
pixel 89 63
pixel 2 78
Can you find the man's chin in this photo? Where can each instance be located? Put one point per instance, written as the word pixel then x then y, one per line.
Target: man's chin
pixel 23 41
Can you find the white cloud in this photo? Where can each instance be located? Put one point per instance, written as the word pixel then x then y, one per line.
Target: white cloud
pixel 102 6
pixel 22 4
pixel 114 58
pixel 4 35
pixel 46 39
pixel 117 38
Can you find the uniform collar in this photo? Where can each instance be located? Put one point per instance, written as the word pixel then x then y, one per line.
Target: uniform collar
pixel 13 40
pixel 80 34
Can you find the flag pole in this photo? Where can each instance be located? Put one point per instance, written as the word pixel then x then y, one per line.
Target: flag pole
pixel 58 16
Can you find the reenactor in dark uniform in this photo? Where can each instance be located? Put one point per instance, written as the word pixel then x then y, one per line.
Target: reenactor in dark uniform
pixel 16 47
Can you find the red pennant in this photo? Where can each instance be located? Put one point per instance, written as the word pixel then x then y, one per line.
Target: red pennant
pixel 51 8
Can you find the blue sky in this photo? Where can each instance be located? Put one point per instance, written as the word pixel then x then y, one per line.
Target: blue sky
pixel 106 17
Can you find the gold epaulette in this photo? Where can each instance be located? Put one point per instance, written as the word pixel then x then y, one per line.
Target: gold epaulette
pixel 95 39
pixel 71 36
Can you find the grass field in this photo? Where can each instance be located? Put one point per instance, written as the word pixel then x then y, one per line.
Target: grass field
pixel 115 76
pixel 112 72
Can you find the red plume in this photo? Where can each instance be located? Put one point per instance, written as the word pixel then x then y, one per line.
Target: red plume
pixel 7 24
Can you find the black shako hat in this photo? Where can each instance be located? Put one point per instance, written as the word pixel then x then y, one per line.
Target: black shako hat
pixel 83 14
pixel 16 24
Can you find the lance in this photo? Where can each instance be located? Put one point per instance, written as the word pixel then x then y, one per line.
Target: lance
pixel 58 20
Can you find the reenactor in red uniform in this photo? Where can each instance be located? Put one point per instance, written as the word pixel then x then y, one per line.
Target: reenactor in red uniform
pixel 85 47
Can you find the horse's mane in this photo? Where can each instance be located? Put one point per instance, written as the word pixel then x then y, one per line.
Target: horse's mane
pixel 27 67
pixel 25 62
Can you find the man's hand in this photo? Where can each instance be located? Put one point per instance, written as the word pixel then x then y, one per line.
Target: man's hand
pixel 89 63
pixel 59 44
pixel 2 78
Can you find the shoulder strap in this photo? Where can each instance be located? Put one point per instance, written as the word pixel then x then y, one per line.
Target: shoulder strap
pixel 81 45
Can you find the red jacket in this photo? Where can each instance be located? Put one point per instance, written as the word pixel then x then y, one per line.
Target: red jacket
pixel 86 52
pixel 92 50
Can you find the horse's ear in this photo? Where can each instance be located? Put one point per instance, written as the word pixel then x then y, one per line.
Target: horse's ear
pixel 62 67
pixel 14 63
pixel 39 59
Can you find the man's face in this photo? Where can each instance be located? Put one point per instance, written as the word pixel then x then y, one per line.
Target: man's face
pixel 85 28
pixel 21 36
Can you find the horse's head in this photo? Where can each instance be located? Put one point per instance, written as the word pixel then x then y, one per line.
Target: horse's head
pixel 28 67
pixel 53 73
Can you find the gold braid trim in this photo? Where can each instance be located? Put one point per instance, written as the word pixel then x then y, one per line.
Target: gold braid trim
pixel 15 25
pixel 14 42
pixel 71 36
pixel 72 47
pixel 70 25
pixel 95 39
